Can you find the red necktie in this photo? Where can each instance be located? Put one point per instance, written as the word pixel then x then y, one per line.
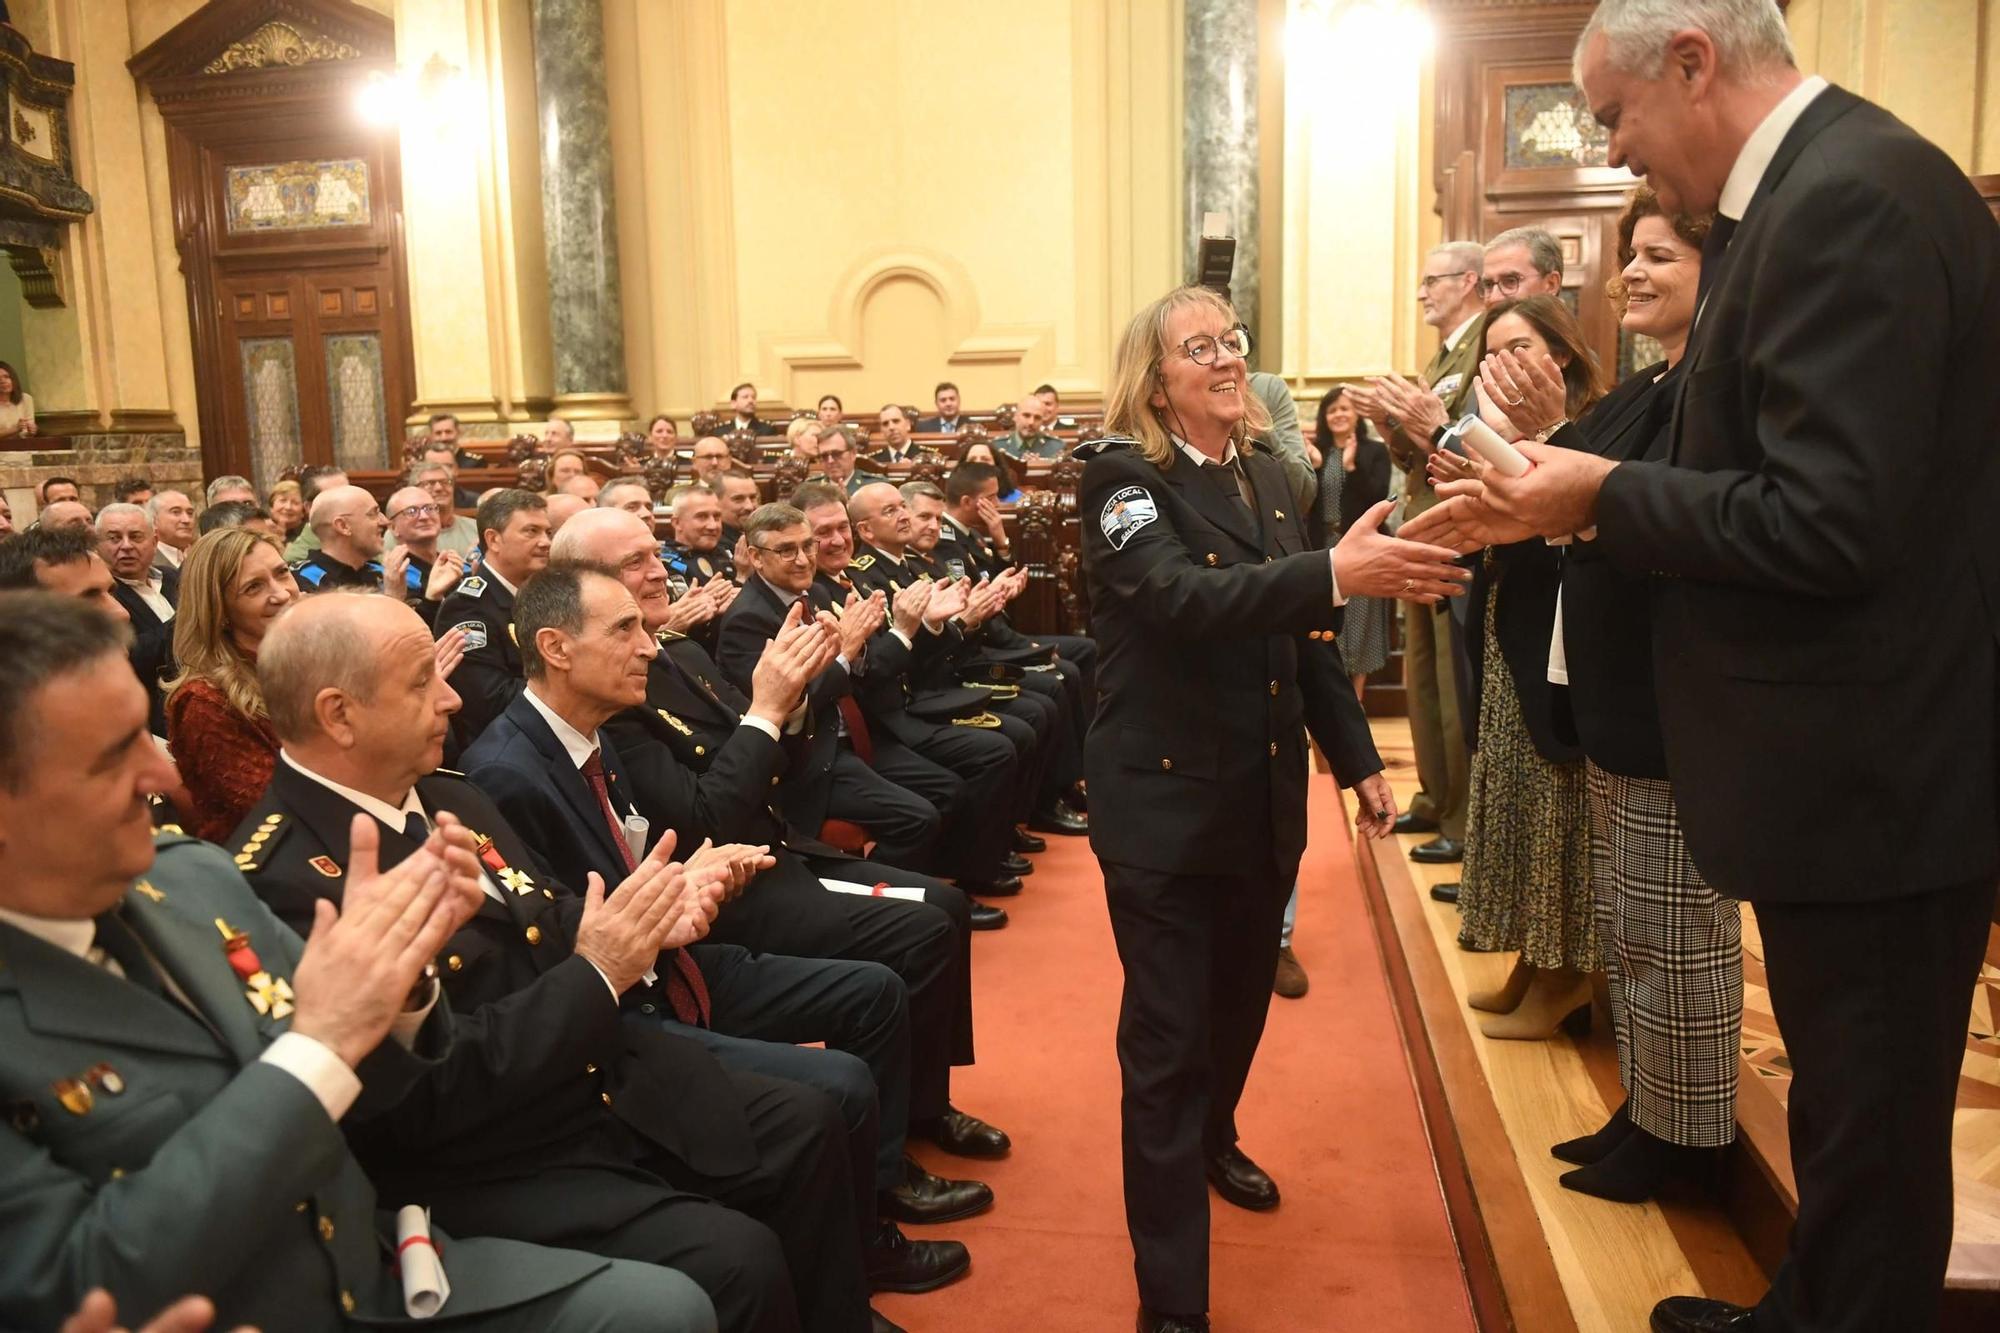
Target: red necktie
pixel 687 992
pixel 850 707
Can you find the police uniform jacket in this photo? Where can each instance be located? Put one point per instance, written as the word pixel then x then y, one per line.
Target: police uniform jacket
pixel 686 567
pixel 1207 678
pixel 957 657
pixel 320 572
pixel 548 1073
pixel 151 1152
pixel 491 674
pixel 894 699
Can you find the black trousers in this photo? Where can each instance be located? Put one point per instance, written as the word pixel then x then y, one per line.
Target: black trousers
pixel 1200 953
pixel 1872 999
pixel 904 822
pixel 979 831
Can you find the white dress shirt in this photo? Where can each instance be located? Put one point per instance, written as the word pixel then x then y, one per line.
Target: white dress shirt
pixel 1201 459
pixel 149 592
pixel 171 555
pixel 1762 146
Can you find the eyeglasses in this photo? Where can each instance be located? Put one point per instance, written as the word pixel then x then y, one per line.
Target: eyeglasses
pixel 421 511
pixel 1506 284
pixel 790 550
pixel 1442 277
pixel 837 451
pixel 1202 349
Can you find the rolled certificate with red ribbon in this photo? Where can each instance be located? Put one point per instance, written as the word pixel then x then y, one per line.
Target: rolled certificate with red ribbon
pixel 425 1287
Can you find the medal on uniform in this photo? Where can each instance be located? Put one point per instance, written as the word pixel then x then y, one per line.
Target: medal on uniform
pixel 236 948
pixel 513 880
pixel 270 996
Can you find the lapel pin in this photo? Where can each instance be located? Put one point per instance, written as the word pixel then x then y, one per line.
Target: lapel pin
pixel 145 887
pixel 75 1095
pixel 107 1078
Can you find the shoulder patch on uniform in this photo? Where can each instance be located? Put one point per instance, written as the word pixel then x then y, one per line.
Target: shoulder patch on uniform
pixel 471 586
pixel 326 865
pixel 266 836
pixel 475 633
pixel 1125 513
pixel 862 562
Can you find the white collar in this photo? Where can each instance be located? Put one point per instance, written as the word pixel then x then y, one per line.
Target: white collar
pixel 1451 339
pixel 1203 460
pixel 73 935
pixel 495 575
pixel 156 578
pixel 950 518
pixel 169 553
pixel 1762 146
pixel 578 746
pixel 390 816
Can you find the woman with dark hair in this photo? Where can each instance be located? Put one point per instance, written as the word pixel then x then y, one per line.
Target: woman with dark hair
pixel 1353 477
pixel 663 437
pixel 979 451
pixel 830 409
pixel 1526 883
pixel 17 407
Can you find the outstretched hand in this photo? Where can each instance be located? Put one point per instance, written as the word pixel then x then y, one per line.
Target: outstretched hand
pixel 1368 562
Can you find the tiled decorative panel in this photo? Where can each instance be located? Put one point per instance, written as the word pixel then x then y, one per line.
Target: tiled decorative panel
pixel 298 196
pixel 355 400
pixel 1549 125
pixel 271 402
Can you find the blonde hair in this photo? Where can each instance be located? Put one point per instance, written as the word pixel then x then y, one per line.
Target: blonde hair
pixel 202 644
pixel 800 426
pixel 1135 377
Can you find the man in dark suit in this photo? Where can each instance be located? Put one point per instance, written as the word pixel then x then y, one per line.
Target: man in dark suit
pixel 948 420
pixel 65 561
pixel 743 406
pixel 127 542
pixel 625 1130
pixel 1823 511
pixel 895 446
pixel 514 544
pixel 560 782
pixel 174 1101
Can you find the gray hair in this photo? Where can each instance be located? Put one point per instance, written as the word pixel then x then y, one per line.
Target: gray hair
pixel 927 490
pixel 1544 250
pixel 1470 256
pixel 228 483
pixel 159 498
pixel 615 483
pixel 1750 35
pixel 44 636
pixel 692 491
pixel 122 510
pixel 414 477
pixel 773 517
pixel 320 644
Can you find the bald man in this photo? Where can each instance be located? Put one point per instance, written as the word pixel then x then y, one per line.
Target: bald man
pixel 349 525
pixel 563 507
pixel 65 514
pixel 419 567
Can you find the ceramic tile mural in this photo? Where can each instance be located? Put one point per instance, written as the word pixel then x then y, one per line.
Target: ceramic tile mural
pixel 298 196
pixel 354 400
pixel 271 407
pixel 1549 125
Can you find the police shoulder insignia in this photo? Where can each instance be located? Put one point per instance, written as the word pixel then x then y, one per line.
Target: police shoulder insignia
pixel 1125 513
pixel 862 562
pixel 473 586
pixel 668 635
pixel 674 722
pixel 475 633
pixel 146 888
pixel 326 865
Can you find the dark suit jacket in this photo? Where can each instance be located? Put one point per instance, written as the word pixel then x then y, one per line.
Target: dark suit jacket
pixel 751 620
pixel 937 426
pixel 540 1039
pixel 143 618
pixel 1827 600
pixel 491 674
pixel 1206 681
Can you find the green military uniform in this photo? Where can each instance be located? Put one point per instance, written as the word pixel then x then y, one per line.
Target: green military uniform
pixel 855 480
pixel 152 1152
pixel 1022 447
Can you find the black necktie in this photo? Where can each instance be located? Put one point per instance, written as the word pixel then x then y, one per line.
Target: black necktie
pixel 121 945
pixel 416 828
pixel 1239 486
pixel 1712 248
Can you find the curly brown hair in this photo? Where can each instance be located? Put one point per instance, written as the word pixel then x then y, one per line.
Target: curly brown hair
pixel 1691 228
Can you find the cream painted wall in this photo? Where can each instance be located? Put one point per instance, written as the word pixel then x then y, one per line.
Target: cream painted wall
pixel 835 196
pixel 1935 63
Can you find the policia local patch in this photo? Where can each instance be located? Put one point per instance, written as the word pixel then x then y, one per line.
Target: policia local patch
pixel 1125 513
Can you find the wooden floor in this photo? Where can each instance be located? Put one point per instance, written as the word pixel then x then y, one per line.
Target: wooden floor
pixel 1603 1265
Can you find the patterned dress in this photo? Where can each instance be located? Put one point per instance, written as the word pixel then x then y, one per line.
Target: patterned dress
pixel 1526 883
pixel 1364 624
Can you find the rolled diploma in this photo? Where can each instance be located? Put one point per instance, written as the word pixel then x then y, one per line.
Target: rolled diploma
pixel 1495 452
pixel 425 1287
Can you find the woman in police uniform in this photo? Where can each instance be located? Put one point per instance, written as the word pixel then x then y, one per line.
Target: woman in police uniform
pixel 1213 614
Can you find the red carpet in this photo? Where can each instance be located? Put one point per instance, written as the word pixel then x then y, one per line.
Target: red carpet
pixel 1361 1240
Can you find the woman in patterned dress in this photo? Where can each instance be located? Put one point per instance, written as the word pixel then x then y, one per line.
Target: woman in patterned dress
pixel 1353 475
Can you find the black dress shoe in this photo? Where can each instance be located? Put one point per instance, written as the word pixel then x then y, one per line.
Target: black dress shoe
pixel 987 918
pixel 964 1135
pixel 1414 823
pixel 1152 1321
pixel 1242 1182
pixel 1017 865
pixel 1636 1169
pixel 1698 1314
pixel 1438 851
pixel 1445 893
pixel 1596 1147
pixel 1004 887
pixel 1059 818
pixel 1025 841
pixel 897 1263
pixel 925 1200
pixel 879 1323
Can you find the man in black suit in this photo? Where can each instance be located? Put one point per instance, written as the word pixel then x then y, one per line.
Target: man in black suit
pixel 514 544
pixel 127 542
pixel 1826 603
pixel 896 446
pixel 948 420
pixel 743 405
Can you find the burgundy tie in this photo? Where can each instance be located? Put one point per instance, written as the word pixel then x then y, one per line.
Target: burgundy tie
pixel 687 992
pixel 849 706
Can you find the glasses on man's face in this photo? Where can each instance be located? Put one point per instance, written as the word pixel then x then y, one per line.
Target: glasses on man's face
pixel 790 551
pixel 1506 284
pixel 1202 349
pixel 421 511
pixel 1445 277
pixel 833 451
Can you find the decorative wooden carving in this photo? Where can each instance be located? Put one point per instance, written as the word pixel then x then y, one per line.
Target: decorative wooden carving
pixel 1003 418
pixel 743 446
pixel 39 195
pixel 787 477
pixel 523 447
pixel 532 474
pixel 704 423
pixel 40 274
pixel 631 451
pixel 659 474
pixel 279 43
pixel 928 468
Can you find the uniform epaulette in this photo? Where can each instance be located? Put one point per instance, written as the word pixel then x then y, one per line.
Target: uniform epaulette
pixel 862 562
pixel 471 586
pixel 668 635
pixel 171 835
pixel 267 835
pixel 1102 445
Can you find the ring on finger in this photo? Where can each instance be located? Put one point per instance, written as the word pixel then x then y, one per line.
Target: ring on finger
pixel 1516 400
pixel 1409 584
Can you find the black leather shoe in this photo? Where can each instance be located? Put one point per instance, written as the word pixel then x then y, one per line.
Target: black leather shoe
pixel 1017 865
pixel 925 1200
pixel 1059 818
pixel 964 1135
pixel 1445 893
pixel 897 1263
pixel 1411 823
pixel 879 1323
pixel 1242 1182
pixel 1698 1314
pixel 1438 852
pixel 987 918
pixel 1025 841
pixel 1004 887
pixel 1596 1147
pixel 1152 1321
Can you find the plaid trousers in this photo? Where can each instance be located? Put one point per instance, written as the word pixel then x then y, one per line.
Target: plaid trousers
pixel 1673 951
